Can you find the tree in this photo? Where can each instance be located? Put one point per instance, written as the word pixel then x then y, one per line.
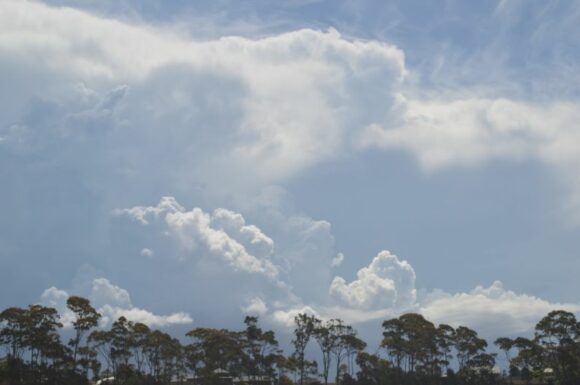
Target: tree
pixel 325 336
pixel 343 334
pixel 217 349
pixel 529 357
pixel 506 345
pixel 120 344
pixel 411 340
pixel 101 341
pixel 558 333
pixel 305 326
pixel 34 333
pixel 393 341
pixel 41 336
pixel 444 340
pixel 86 318
pixel 138 338
pixel 354 345
pixel 261 349
pixel 13 332
pixel 468 345
pixel 373 370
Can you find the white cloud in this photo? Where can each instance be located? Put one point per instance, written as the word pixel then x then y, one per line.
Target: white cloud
pixel 223 234
pixel 146 252
pixel 337 260
pixel 135 314
pixel 56 298
pixel 286 317
pixel 386 283
pixel 256 306
pixel 255 241
pixel 104 293
pixel 234 111
pixel 201 246
pixel 491 310
pixel 143 214
pixel 472 131
pixel 111 302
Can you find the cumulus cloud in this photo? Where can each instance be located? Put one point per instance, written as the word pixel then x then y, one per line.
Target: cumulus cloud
pixel 256 306
pixel 255 241
pixel 337 260
pixel 285 317
pixel 144 214
pixel 212 119
pixel 491 310
pixel 104 293
pixel 247 111
pixel 146 252
pixel 222 234
pixel 386 288
pixel 386 282
pixel 112 302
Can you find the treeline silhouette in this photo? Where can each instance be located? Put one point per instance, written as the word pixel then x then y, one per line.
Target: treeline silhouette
pixel 413 351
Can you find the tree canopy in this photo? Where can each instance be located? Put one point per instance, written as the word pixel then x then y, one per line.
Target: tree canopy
pixel 413 351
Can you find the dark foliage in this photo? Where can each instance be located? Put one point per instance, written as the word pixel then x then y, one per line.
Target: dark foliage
pixel 413 351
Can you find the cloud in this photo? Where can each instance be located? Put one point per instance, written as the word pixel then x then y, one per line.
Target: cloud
pixel 56 298
pixel 112 302
pixel 233 110
pixel 144 214
pixel 222 234
pixel 220 252
pixel 256 307
pixel 472 131
pixel 146 252
pixel 386 283
pixel 337 260
pixel 491 310
pixel 255 241
pixel 286 317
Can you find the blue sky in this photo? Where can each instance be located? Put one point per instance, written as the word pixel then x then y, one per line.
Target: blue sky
pixel 184 163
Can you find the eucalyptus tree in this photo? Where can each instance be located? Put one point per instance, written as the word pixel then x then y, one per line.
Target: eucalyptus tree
pixel 138 339
pixel 411 342
pixel 170 361
pixel 559 334
pixel 13 332
pixel 354 346
pixel 420 343
pixel 101 341
pixel 305 326
pixel 468 345
pixel 325 336
pixel 120 344
pixel 86 318
pixel 393 341
pixel 344 336
pixel 339 340
pixel 42 327
pixel 261 348
pixel 506 345
pixel 217 349
pixel 373 370
pixel 529 357
pixel 444 340
pixel 31 332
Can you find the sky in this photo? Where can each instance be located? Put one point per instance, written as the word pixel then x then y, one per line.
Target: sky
pixel 187 163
